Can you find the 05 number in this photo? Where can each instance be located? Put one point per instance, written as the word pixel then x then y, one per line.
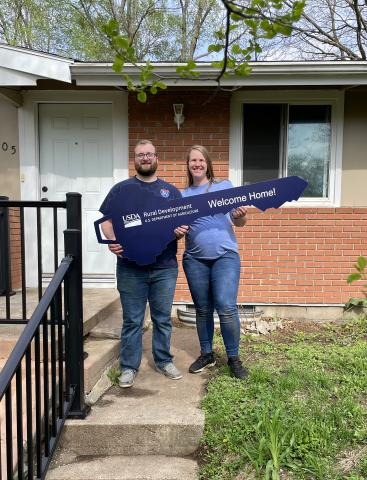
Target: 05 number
pixel 5 147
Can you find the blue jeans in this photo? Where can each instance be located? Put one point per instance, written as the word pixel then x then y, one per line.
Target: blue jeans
pixel 214 285
pixel 137 286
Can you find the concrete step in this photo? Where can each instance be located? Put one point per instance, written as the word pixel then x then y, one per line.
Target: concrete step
pixel 110 326
pixel 97 305
pixel 103 348
pixel 101 354
pixel 125 468
pixel 157 416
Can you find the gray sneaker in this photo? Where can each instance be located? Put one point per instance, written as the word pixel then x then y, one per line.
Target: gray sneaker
pixel 127 377
pixel 170 371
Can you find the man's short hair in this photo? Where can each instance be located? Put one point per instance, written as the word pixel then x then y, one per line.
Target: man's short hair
pixel 144 142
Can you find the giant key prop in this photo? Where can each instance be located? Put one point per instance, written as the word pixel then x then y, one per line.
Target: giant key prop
pixel 145 227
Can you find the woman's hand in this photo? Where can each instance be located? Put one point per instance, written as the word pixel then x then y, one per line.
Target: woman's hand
pixel 181 231
pixel 116 248
pixel 239 216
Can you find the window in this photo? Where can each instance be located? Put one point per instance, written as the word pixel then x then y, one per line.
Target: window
pixel 273 138
pixel 280 140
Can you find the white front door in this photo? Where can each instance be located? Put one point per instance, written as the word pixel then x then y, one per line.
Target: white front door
pixel 76 156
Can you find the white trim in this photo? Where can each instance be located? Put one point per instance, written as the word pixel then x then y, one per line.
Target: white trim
pixel 29 149
pixel 29 64
pixel 12 78
pixel 262 74
pixel 335 98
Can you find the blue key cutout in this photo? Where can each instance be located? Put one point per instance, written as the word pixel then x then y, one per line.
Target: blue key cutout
pixel 145 227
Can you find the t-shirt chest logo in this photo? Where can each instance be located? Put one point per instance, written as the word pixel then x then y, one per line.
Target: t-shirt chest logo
pixel 165 193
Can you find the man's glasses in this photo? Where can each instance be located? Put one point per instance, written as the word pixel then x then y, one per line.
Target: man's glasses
pixel 149 155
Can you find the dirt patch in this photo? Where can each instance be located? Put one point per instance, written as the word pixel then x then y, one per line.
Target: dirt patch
pixel 350 459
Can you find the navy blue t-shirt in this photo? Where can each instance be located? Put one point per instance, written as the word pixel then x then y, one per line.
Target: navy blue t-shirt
pixel 159 187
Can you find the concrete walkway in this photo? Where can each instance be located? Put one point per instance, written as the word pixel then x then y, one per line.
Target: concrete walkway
pixel 148 432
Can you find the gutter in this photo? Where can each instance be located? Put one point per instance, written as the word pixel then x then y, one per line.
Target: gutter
pixel 263 74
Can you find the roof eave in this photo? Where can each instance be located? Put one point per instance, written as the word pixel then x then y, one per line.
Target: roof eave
pixel 22 65
pixel 263 74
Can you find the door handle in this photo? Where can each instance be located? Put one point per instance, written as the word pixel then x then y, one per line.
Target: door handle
pixel 44 190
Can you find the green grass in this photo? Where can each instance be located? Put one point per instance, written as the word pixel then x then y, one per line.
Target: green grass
pixel 302 413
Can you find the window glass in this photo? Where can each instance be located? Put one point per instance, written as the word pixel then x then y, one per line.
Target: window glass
pixel 308 152
pixel 261 135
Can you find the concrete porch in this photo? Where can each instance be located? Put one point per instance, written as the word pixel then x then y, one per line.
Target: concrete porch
pixel 98 305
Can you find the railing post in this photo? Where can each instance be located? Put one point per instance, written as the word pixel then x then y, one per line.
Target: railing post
pixel 74 356
pixel 5 270
pixel 74 302
pixel 74 210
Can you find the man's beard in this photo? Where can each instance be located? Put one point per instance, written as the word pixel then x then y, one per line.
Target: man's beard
pixel 146 172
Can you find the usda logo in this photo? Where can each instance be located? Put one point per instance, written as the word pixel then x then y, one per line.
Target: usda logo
pixel 131 220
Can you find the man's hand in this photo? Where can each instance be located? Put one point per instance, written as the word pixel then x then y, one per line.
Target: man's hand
pixel 116 248
pixel 239 216
pixel 181 231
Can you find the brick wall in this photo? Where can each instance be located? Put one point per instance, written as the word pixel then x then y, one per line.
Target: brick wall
pixel 206 123
pixel 297 255
pixel 288 255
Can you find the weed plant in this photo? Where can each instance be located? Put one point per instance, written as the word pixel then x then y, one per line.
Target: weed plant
pixel 113 375
pixel 302 413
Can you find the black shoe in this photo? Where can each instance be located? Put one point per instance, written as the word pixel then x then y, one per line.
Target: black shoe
pixel 236 368
pixel 204 361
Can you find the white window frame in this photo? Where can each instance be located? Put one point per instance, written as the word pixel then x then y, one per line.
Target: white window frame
pixel 335 98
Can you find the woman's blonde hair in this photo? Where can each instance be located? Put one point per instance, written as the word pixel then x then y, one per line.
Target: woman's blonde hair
pixel 209 172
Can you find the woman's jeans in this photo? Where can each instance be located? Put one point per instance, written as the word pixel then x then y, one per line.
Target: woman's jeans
pixel 137 286
pixel 214 285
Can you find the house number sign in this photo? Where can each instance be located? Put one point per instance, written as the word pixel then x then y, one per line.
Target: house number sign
pixel 5 147
pixel 144 227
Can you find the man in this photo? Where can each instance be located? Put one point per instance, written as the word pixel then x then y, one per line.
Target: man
pixel 138 284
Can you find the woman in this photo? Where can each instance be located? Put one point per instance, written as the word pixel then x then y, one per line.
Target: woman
pixel 212 266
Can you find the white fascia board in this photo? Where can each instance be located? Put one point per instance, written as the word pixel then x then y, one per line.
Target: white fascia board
pixel 15 79
pixel 40 65
pixel 263 74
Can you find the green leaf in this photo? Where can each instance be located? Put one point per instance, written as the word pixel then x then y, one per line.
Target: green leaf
pixel 160 85
pixel 356 302
pixel 362 263
pixel 215 48
pixel 236 49
pixel 111 28
pixel 142 96
pixel 266 26
pixel 191 64
pixel 217 64
pixel 298 9
pixel 234 26
pixel 235 17
pixel 243 69
pixel 131 53
pixel 145 74
pixel 130 85
pixel 354 277
pixel 220 35
pixel 118 65
pixel 251 24
pixel 285 30
pixel 121 42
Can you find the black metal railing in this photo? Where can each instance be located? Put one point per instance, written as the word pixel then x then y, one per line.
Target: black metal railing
pixel 42 382
pixel 73 221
